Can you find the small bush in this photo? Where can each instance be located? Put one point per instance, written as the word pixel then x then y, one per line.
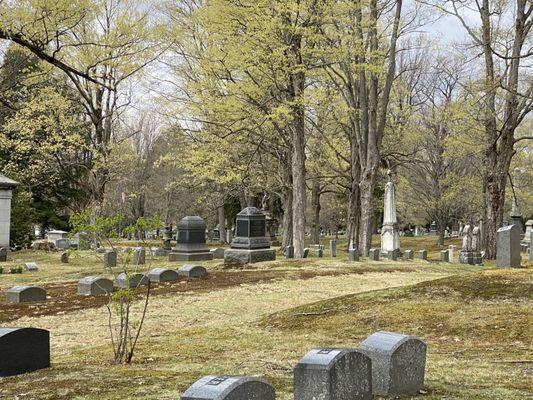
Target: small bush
pixel 1 270
pixel 15 270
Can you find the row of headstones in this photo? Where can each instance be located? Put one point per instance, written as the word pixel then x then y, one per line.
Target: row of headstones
pixel 97 285
pixel 385 364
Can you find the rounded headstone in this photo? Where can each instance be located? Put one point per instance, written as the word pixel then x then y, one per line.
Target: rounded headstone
pixel 94 285
pixel 23 350
pixel 125 281
pixel 214 387
pixel 192 271
pixel 23 293
pixel 162 275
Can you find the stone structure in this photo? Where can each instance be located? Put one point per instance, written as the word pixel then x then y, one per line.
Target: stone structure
pixel 390 235
pixel 139 256
pixel 229 235
pixel 23 350
pixel 6 187
pixel 110 259
pixel 527 235
pixel 289 251
pixel 465 255
pixel 320 253
pixel 333 374
pixel 392 255
pixel 56 234
pixel 433 231
pixel 158 252
pixel 31 267
pixel 398 363
pixel 408 254
pixel 531 246
pixel 218 253
pixel 306 252
pixel 476 246
pixel 250 243
pixel 62 244
pixel 508 247
pixel 125 281
pixel 191 244
pixel 23 294
pixel 163 275
pixel 422 255
pixel 214 387
pixel 81 241
pixel 353 255
pixel 192 271
pixel 445 255
pixel 64 257
pixel 94 286
pixel 373 254
pixel 3 254
pixel 333 248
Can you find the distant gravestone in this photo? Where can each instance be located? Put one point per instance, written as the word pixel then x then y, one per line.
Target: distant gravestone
pixel 3 254
pixel 31 267
pixel 408 254
pixel 444 256
pixel 422 254
pixel 333 248
pixel 353 255
pixel 452 251
pixel 508 247
pixel 398 363
pixel 101 250
pixel 333 374
pixel 531 246
pixel 289 251
pixel 192 271
pixel 163 275
pixel 64 257
pixel 23 350
pixel 306 252
pixel 132 280
pixel 320 253
pixel 62 244
pixel 139 257
pixel 159 252
pixel 392 255
pixel 218 253
pixel 229 388
pixel 191 241
pixel 23 294
pixel 110 259
pixel 373 254
pixel 94 286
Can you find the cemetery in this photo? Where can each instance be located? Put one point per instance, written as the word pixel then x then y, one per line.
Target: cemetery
pixel 266 200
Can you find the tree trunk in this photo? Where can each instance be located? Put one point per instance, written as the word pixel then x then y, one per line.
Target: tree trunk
pixel 315 202
pixel 367 210
pixel 221 223
pixel 352 228
pixel 287 219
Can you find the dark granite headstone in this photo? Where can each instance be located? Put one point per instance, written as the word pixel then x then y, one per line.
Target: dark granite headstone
pixel 422 254
pixel 139 256
pixel 94 285
pixel 333 248
pixel 162 275
pixel 191 244
pixel 508 247
pixel 353 255
pixel 23 350
pixel 192 271
pixel 398 363
pixel 132 280
pixel 320 252
pixel 31 267
pixel 3 254
pixel 392 255
pixel 22 294
pixel 333 374
pixel 373 254
pixel 110 259
pixel 229 388
pixel 408 254
pixel 444 256
pixel 289 251
pixel 64 257
pixel 306 252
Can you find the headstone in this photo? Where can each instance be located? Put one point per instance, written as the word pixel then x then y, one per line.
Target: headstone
pixel 320 253
pixel 139 256
pixel 3 254
pixel 23 350
pixel 444 256
pixel 132 280
pixel 62 244
pixel 466 255
pixel 110 259
pixel 333 374
pixel 56 234
pixel 353 254
pixel 167 237
pixel 508 247
pixel 408 254
pixel 229 236
pixel 476 246
pixel 306 252
pixel 159 252
pixel 529 229
pixel 373 254
pixel 6 187
pixel 433 229
pixel 31 267
pixel 392 255
pixel 94 285
pixel 250 243
pixel 390 236
pixel 417 231
pixel 289 251
pixel 23 294
pixel 398 363
pixel 422 254
pixel 162 275
pixel 192 271
pixel 191 244
pixel 452 251
pixel 531 246
pixel 81 241
pixel 333 248
pixel 218 253
pixel 214 387
pixel 64 257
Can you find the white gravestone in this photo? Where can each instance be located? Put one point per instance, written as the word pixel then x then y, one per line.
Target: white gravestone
pixel 390 236
pixel 6 187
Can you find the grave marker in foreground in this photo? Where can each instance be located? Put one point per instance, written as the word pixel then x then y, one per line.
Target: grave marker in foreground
pixel 508 247
pixel 24 293
pixel 214 387
pixel 23 350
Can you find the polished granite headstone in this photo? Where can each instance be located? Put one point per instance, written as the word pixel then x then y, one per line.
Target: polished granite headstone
pixel 94 285
pixel 23 350
pixel 192 271
pixel 191 244
pixel 163 275
pixel 23 293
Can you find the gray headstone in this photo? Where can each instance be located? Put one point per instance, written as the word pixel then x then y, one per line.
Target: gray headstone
pixel 31 267
pixel 508 247
pixel 333 374
pixel 353 255
pixel 192 271
pixel 191 241
pixel 218 253
pixel 3 254
pixel 306 252
pixel 289 251
pixel 422 254
pixel 444 256
pixel 398 363
pixel 531 246
pixel 62 244
pixel 22 294
pixel 229 388
pixel 392 255
pixel 333 248
pixel 23 350
pixel 94 285
pixel 408 254
pixel 64 257
pixel 110 259
pixel 373 254
pixel 159 252
pixel 132 280
pixel 320 253
pixel 163 275
pixel 139 257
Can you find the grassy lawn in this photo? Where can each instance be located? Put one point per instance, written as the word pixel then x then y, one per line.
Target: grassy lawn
pixel 260 320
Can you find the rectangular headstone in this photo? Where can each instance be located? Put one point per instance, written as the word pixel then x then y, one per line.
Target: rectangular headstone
pixel 320 253
pixel 353 255
pixel 444 256
pixel 333 248
pixel 23 294
pixel 110 259
pixel 3 254
pixel 508 247
pixel 289 251
pixel 408 254
pixel 31 267
pixel 392 255
pixel 139 257
pixel 23 350
pixel 306 252
pixel 373 254
pixel 422 254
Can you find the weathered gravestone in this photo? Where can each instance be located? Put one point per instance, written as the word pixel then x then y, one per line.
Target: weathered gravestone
pixel 23 350
pixel 373 254
pixel 527 235
pixel 23 293
pixel 64 257
pixel 320 252
pixel 3 254
pixel 452 251
pixel 408 254
pixel 333 374
pixel 390 234
pixel 218 253
pixel 163 275
pixel 132 280
pixel 398 363
pixel 110 259
pixel 81 241
pixel 392 255
pixel 229 388
pixel 422 254
pixel 31 267
pixel 192 271
pixel 94 285
pixel 444 256
pixel 531 246
pixel 191 245
pixel 250 243
pixel 159 252
pixel 508 247
pixel 62 244
pixel 289 251
pixel 6 187
pixel 353 254
pixel 333 248
pixel 306 252
pixel 139 257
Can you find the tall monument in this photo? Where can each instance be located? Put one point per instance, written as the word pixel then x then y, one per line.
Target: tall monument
pixel 6 187
pixel 390 236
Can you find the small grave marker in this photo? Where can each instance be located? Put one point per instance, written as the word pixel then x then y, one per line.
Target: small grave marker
pixel 306 252
pixel 229 388
pixel 64 257
pixel 23 294
pixel 31 267
pixel 3 254
pixel 163 275
pixel 139 256
pixel 289 251
pixel 444 256
pixel 126 281
pixel 373 254
pixel 408 254
pixel 422 254
pixel 353 255
pixel 23 350
pixel 333 248
pixel 94 285
pixel 110 259
pixel 192 271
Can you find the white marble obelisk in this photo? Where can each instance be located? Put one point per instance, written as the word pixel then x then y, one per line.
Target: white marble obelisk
pixel 390 236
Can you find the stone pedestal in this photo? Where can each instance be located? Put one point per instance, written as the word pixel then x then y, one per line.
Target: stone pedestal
pixel 390 234
pixel 191 244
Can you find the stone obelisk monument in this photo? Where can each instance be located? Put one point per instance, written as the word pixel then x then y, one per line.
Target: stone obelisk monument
pixel 390 236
